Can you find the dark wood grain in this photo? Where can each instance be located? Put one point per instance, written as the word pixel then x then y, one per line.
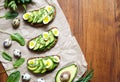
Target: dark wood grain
pixel 96 26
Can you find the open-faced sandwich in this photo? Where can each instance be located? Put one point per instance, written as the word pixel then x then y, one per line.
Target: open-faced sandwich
pixel 41 65
pixel 44 41
pixel 41 16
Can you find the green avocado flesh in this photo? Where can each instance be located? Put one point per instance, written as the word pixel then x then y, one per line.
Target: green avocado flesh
pixel 42 65
pixel 39 16
pixel 40 44
pixel 72 69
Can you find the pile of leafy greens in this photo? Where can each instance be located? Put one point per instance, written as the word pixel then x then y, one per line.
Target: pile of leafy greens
pixel 13 4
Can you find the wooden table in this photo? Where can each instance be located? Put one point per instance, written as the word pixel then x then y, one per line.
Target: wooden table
pixel 96 26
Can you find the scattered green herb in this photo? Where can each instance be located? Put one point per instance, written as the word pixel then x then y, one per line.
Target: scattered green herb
pixel 13 4
pixel 18 38
pixel 87 77
pixel 6 56
pixel 10 15
pixel 14 77
pixel 15 37
pixel 18 62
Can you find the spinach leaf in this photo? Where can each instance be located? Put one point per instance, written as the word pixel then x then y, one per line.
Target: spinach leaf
pixel 14 77
pixel 18 62
pixel 18 38
pixel 6 56
pixel 10 15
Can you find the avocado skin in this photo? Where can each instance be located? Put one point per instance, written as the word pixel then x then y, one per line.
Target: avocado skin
pixel 62 69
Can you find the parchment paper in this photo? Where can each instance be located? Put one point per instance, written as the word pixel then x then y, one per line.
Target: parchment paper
pixel 67 47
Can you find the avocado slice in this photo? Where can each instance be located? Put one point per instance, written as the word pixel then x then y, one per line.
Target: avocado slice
pixel 52 38
pixel 34 66
pixel 51 44
pixel 36 16
pixel 70 70
pixel 48 63
pixel 40 67
pixel 37 44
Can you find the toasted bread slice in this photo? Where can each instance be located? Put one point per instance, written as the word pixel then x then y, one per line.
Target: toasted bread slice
pixel 44 41
pixel 40 17
pixel 42 65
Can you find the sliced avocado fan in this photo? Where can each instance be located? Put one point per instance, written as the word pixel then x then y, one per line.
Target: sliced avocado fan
pixel 44 41
pixel 67 74
pixel 41 65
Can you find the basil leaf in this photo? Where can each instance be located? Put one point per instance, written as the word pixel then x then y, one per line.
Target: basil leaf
pixel 6 56
pixel 18 62
pixel 14 77
pixel 18 38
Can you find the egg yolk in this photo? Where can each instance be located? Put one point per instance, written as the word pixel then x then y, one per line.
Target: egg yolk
pixel 31 43
pixel 46 20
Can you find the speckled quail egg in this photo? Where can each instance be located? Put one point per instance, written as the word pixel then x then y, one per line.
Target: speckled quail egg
pixel 17 53
pixel 7 43
pixel 16 23
pixel 26 77
pixel 40 80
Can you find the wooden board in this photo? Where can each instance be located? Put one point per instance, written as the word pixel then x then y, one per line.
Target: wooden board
pixel 96 26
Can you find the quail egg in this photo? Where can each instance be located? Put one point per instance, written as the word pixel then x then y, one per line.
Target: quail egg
pixel 40 80
pixel 17 53
pixel 7 43
pixel 16 23
pixel 26 77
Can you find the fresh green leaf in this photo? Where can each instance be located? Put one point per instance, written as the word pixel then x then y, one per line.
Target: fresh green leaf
pixel 14 77
pixel 87 77
pixel 23 1
pixel 28 1
pixel 6 56
pixel 19 62
pixel 6 3
pixel 12 5
pixel 10 15
pixel 18 38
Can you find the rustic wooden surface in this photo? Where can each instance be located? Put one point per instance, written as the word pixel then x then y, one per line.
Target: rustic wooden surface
pixel 96 26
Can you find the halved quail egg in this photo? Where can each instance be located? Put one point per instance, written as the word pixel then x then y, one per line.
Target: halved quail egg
pixel 55 32
pixel 45 35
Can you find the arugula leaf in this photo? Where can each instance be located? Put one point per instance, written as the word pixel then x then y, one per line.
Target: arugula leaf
pixel 6 56
pixel 19 62
pixel 14 77
pixel 12 5
pixel 10 15
pixel 18 38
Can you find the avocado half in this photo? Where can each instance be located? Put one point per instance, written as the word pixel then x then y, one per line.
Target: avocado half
pixel 68 73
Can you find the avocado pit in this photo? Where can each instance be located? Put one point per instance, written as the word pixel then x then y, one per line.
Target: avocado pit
pixel 65 76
